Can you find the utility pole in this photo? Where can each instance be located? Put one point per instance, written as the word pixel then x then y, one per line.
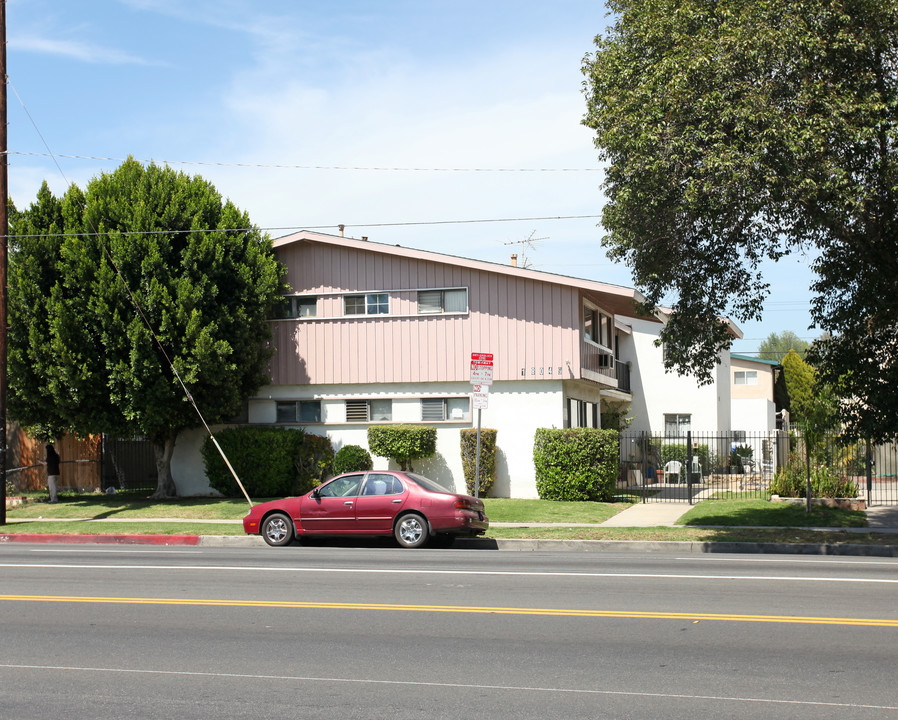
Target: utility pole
pixel 4 247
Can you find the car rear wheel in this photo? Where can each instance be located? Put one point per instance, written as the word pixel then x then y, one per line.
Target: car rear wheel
pixel 277 530
pixel 411 531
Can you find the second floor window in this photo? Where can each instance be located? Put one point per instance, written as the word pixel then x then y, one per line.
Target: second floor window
pixel 745 377
pixel 597 327
pixel 442 301
pixel 297 307
pixel 368 304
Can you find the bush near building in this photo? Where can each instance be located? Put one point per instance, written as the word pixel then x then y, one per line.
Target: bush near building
pixel 352 458
pixel 576 463
pixel 402 443
pixel 270 462
pixel 487 458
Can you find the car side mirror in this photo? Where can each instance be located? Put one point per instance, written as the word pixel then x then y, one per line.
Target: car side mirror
pixel 315 494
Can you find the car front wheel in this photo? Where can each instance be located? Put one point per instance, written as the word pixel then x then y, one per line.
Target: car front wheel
pixel 411 531
pixel 277 530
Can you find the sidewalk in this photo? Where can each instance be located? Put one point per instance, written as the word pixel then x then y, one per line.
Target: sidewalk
pixel 881 519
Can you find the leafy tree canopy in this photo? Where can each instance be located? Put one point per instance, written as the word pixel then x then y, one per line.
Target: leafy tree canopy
pixel 737 131
pixel 776 345
pixel 88 269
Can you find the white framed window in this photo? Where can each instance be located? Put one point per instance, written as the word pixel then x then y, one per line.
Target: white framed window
pixel 745 377
pixel 296 306
pixel 582 414
pixel 304 411
pixel 597 326
pixel 442 301
pixel 369 410
pixel 451 409
pixel 677 424
pixel 367 304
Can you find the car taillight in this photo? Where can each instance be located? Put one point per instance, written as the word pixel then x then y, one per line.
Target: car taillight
pixel 462 505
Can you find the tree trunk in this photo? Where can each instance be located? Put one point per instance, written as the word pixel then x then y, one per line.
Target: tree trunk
pixel 163 449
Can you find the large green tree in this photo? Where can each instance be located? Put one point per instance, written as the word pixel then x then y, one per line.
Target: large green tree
pixel 107 286
pixel 737 131
pixel 776 345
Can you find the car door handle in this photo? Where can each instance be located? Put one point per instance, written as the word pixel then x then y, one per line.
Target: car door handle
pixel 348 502
pixel 397 500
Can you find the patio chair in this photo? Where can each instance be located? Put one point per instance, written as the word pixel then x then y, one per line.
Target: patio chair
pixel 673 467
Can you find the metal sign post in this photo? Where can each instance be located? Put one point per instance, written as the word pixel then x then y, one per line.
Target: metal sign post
pixel 481 379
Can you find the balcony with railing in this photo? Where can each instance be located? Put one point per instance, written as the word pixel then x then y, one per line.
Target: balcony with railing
pixel 599 365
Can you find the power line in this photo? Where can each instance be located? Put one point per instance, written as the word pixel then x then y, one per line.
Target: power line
pixel 274 166
pixel 296 228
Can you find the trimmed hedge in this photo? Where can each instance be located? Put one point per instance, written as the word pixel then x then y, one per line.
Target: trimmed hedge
pixel 402 443
pixel 352 458
pixel 576 463
pixel 487 458
pixel 270 462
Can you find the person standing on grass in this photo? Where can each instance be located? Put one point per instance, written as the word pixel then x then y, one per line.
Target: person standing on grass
pixel 52 471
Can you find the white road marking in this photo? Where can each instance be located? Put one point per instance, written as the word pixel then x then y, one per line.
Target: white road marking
pixel 464 573
pixel 461 686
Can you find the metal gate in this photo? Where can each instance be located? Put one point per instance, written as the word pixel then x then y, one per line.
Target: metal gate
pixel 698 466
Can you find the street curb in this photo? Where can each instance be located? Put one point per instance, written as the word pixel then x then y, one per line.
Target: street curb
pixel 514 545
pixel 63 538
pixel 681 546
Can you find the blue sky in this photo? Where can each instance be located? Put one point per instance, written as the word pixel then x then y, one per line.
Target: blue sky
pixel 237 88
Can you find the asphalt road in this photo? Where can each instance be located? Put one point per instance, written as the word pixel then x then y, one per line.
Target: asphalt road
pixel 376 632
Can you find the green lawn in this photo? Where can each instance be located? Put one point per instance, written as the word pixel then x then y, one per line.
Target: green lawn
pixel 760 520
pixel 507 510
pixel 129 506
pixel 755 512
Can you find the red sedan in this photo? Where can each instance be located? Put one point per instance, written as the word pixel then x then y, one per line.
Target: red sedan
pixel 410 507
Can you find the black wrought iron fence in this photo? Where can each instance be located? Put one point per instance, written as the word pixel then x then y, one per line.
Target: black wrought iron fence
pixel 697 466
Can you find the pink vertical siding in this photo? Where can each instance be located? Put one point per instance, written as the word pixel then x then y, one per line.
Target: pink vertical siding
pixel 523 322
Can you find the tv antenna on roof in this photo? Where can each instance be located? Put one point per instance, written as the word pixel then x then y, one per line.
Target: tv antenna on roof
pixel 527 244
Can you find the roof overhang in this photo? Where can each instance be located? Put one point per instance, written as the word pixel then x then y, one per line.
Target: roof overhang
pixel 617 299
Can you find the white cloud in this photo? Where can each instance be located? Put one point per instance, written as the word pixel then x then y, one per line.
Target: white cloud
pixel 75 50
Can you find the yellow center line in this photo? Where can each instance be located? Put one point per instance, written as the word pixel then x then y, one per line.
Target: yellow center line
pixel 485 610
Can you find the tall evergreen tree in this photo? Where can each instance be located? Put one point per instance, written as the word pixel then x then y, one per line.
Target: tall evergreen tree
pixel 106 287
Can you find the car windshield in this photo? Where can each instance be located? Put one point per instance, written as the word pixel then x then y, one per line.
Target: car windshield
pixel 428 484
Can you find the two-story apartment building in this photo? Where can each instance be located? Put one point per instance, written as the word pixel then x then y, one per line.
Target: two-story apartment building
pixel 376 333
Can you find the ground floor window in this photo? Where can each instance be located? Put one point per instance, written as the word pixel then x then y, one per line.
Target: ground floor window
pixel 369 410
pixel 435 409
pixel 305 411
pixel 581 413
pixel 677 424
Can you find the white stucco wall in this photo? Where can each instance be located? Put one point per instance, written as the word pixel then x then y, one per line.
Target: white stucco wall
pixel 754 415
pixel 656 392
pixel 516 409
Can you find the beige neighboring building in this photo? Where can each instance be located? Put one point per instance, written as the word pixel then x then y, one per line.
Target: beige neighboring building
pixel 753 409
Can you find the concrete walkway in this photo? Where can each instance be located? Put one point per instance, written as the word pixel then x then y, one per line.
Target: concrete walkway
pixel 650 514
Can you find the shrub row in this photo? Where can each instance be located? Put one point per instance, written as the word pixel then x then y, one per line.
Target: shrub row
pixel 571 464
pixel 270 462
pixel 576 463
